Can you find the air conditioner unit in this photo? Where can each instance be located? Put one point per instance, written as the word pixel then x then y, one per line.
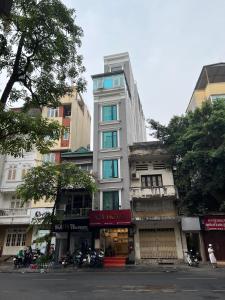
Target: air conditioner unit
pixel 135 176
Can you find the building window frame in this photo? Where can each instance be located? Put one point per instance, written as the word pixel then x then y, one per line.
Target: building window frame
pixel 151 181
pixel 115 205
pixel 49 157
pixel 66 133
pixel 53 112
pixel 115 162
pixel 11 174
pixel 114 143
pixel 15 238
pixel 114 110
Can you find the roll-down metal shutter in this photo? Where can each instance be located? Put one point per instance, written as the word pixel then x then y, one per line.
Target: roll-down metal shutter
pixel 157 243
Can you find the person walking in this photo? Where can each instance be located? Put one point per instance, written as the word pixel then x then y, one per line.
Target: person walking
pixel 212 257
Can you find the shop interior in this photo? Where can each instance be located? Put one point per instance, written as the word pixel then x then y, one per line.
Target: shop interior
pixel 114 241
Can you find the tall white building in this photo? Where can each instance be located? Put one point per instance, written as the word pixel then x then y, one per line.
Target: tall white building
pixel 118 122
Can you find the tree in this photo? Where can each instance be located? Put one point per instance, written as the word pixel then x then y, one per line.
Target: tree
pixel 38 52
pixel 47 182
pixel 197 144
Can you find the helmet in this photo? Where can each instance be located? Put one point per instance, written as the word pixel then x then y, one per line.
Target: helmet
pixel 210 245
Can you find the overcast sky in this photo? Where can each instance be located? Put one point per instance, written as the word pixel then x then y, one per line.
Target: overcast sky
pixel 168 41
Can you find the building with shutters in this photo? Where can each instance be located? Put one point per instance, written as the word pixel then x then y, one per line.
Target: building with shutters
pixel 118 122
pixel 153 196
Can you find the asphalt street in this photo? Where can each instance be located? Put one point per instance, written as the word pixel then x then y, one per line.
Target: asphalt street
pixel 192 284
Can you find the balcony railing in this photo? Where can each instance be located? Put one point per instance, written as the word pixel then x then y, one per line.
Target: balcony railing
pixel 147 192
pixel 76 212
pixel 10 212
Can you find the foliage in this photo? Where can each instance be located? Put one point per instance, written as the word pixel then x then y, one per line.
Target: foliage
pixel 38 52
pixel 20 132
pixel 47 180
pixel 197 143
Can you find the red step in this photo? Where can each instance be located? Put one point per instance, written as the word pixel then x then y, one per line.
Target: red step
pixel 115 261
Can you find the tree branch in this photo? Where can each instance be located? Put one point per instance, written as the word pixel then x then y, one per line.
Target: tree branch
pixel 14 75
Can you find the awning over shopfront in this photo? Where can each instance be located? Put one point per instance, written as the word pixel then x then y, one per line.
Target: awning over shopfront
pixel 190 224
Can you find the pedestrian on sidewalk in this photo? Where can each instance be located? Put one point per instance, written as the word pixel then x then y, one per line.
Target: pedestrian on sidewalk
pixel 212 256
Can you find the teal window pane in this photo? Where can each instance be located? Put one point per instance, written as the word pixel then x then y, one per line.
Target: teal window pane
pixel 106 113
pixel 109 139
pixel 108 83
pixel 111 200
pixel 109 113
pixel 110 168
pixel 95 85
pixel 114 112
pixel 114 139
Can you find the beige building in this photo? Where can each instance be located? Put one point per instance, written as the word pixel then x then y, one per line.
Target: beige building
pixel 153 195
pixel 15 220
pixel 210 85
pixel 73 114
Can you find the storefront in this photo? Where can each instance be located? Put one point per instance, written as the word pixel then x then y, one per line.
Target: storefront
pixel 214 233
pixel 157 239
pixel 112 232
pixel 72 235
pixel 15 238
pixel 192 238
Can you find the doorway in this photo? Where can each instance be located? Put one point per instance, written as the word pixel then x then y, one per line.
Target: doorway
pixel 114 241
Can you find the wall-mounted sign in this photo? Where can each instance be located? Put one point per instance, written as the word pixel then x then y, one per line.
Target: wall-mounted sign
pixel 102 218
pixel 72 225
pixel 214 223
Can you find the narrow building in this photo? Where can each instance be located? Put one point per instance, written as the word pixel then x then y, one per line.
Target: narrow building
pixel 157 237
pixel 118 123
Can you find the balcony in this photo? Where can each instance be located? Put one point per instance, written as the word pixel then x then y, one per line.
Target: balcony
pixel 73 213
pixel 148 192
pixel 14 216
pixel 111 81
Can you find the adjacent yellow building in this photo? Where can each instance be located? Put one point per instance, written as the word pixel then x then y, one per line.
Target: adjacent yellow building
pixel 210 85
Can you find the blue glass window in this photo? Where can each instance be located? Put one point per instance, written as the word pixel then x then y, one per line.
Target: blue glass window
pixel 108 83
pixel 109 113
pixel 111 200
pixel 110 168
pixel 109 139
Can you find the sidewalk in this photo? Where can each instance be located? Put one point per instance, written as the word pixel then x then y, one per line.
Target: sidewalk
pixel 9 268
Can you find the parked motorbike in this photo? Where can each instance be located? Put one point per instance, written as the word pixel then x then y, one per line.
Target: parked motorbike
pixel 66 260
pixel 18 262
pixel 96 258
pixel 192 258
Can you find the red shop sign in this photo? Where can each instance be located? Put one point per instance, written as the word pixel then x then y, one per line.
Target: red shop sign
pixel 110 217
pixel 214 223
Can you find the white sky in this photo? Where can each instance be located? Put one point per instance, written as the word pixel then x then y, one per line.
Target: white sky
pixel 168 41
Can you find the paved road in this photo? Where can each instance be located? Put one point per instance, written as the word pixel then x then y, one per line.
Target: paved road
pixel 137 284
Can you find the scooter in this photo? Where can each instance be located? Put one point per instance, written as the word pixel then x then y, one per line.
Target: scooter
pixel 97 258
pixel 18 262
pixel 192 259
pixel 66 260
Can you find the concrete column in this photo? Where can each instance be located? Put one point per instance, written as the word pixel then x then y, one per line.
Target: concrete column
pixel 137 244
pixel 202 247
pixel 180 254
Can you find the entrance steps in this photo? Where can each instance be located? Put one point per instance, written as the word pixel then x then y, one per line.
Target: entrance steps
pixel 115 261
